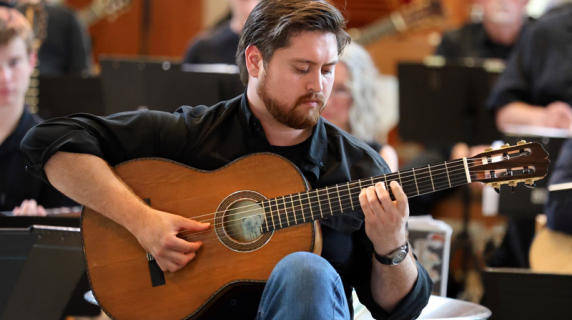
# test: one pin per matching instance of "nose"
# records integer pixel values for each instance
(5, 74)
(315, 82)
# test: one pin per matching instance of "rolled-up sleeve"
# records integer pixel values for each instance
(117, 138)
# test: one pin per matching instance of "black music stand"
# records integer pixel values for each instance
(62, 96)
(526, 295)
(41, 266)
(443, 104)
(163, 85)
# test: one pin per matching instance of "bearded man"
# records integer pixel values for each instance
(287, 55)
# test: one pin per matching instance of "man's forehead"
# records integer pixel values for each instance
(312, 47)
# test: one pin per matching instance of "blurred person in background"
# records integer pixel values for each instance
(19, 191)
(536, 90)
(356, 101)
(65, 48)
(219, 45)
(503, 22)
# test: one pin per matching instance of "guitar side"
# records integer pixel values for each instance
(117, 265)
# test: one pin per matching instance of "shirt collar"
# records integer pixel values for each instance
(315, 158)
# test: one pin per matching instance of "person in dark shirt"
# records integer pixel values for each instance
(535, 90)
(65, 47)
(19, 193)
(287, 56)
(494, 37)
(219, 45)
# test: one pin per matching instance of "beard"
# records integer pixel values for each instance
(296, 116)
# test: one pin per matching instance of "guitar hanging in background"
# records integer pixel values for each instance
(415, 16)
(101, 9)
(261, 209)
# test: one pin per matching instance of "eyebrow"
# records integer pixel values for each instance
(314, 63)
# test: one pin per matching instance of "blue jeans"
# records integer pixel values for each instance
(303, 286)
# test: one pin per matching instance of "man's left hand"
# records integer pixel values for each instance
(385, 219)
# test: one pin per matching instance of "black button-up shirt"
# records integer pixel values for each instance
(15, 184)
(210, 137)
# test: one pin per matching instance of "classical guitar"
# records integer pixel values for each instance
(417, 15)
(260, 209)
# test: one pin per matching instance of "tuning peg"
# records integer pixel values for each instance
(521, 142)
(497, 190)
(488, 149)
(512, 189)
(531, 186)
(505, 146)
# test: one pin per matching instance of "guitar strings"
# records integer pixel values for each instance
(425, 189)
(313, 205)
(408, 188)
(357, 186)
(404, 184)
(210, 237)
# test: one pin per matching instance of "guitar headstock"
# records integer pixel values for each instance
(525, 162)
(420, 14)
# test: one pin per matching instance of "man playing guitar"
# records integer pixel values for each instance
(287, 56)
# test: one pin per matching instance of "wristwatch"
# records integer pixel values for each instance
(395, 257)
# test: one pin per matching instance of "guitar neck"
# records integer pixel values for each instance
(294, 209)
(379, 29)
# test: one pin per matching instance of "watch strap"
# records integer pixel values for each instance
(389, 259)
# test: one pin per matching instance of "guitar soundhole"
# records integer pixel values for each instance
(239, 222)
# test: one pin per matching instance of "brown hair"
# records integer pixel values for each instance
(272, 23)
(13, 24)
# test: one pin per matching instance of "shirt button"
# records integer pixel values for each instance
(321, 164)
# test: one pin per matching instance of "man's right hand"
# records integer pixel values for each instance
(558, 115)
(158, 235)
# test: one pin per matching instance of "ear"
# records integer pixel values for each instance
(254, 62)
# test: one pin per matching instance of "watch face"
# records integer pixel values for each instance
(399, 256)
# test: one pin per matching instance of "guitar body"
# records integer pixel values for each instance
(117, 265)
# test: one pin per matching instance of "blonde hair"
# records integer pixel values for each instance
(13, 24)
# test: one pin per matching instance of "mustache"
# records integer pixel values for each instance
(318, 97)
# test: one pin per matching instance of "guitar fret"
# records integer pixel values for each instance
(310, 205)
(265, 220)
(350, 195)
(319, 203)
(339, 198)
(447, 170)
(278, 209)
(285, 210)
(272, 214)
(293, 210)
(372, 182)
(302, 206)
(415, 179)
(399, 176)
(431, 176)
(329, 202)
(386, 184)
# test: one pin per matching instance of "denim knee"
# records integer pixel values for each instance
(305, 269)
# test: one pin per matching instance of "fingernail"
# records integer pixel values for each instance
(383, 185)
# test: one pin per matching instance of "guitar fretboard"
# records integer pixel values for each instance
(294, 209)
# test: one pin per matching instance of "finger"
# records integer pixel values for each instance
(365, 207)
(167, 265)
(17, 211)
(42, 212)
(400, 198)
(24, 207)
(32, 207)
(384, 197)
(180, 259)
(191, 225)
(373, 200)
(182, 245)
